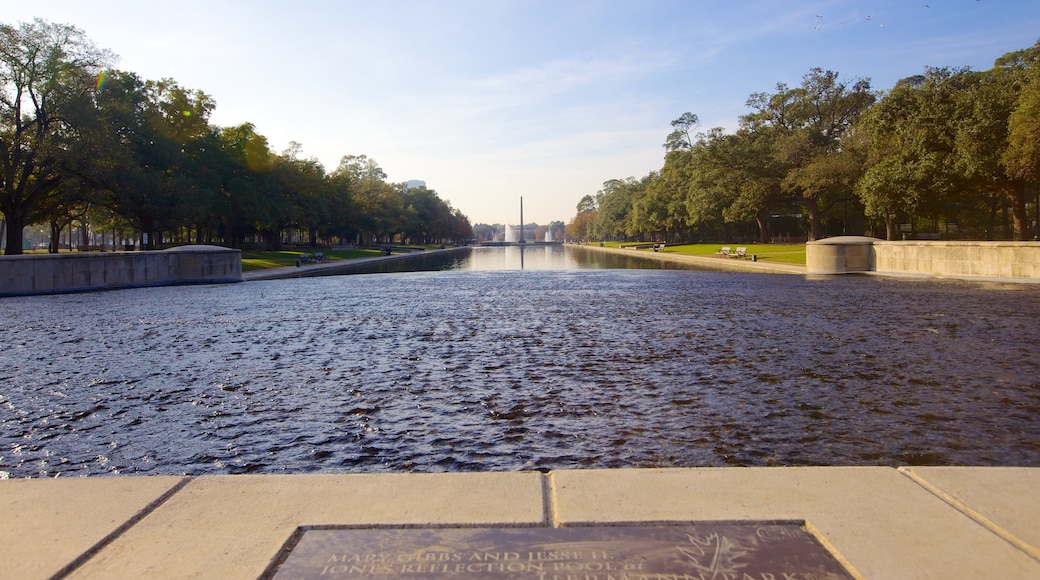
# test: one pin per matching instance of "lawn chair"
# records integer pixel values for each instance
(740, 253)
(723, 252)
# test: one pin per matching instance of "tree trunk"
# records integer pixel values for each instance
(891, 227)
(814, 218)
(230, 235)
(15, 225)
(763, 229)
(1019, 217)
(52, 248)
(273, 240)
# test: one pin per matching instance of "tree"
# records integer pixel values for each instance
(651, 209)
(146, 150)
(681, 138)
(1022, 156)
(47, 73)
(587, 204)
(984, 105)
(614, 204)
(806, 125)
(910, 164)
(578, 229)
(246, 185)
(301, 196)
(377, 207)
(733, 179)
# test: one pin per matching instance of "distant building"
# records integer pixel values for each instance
(414, 184)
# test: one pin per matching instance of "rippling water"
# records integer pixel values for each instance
(507, 370)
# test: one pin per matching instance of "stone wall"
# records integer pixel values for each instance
(961, 259)
(841, 255)
(75, 272)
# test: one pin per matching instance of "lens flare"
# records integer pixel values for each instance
(102, 80)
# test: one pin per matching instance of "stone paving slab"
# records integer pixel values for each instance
(880, 522)
(233, 526)
(930, 522)
(1005, 499)
(49, 523)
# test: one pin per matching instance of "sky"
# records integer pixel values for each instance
(490, 100)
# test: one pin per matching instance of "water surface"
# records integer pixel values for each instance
(505, 369)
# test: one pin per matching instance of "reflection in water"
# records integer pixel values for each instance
(530, 257)
(508, 370)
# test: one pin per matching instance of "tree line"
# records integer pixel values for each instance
(951, 152)
(83, 143)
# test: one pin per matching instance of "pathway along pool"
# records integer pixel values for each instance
(512, 370)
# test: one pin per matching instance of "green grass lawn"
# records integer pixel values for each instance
(264, 260)
(783, 253)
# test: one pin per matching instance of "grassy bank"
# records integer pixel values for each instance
(780, 253)
(265, 260)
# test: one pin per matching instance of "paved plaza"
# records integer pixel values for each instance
(879, 522)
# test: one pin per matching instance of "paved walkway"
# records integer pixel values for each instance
(921, 522)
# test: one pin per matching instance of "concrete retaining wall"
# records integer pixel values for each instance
(840, 255)
(58, 273)
(962, 259)
(848, 254)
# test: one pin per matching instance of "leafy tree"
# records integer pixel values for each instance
(47, 74)
(652, 208)
(940, 144)
(587, 204)
(557, 229)
(1022, 156)
(910, 151)
(301, 194)
(380, 211)
(579, 227)
(806, 125)
(681, 138)
(484, 232)
(614, 203)
(246, 183)
(144, 150)
(1017, 78)
(984, 104)
(734, 179)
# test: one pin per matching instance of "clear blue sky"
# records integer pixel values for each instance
(488, 100)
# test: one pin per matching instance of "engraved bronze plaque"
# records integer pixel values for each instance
(695, 551)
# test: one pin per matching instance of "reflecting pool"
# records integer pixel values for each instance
(484, 368)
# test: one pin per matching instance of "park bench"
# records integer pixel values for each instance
(723, 252)
(740, 253)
